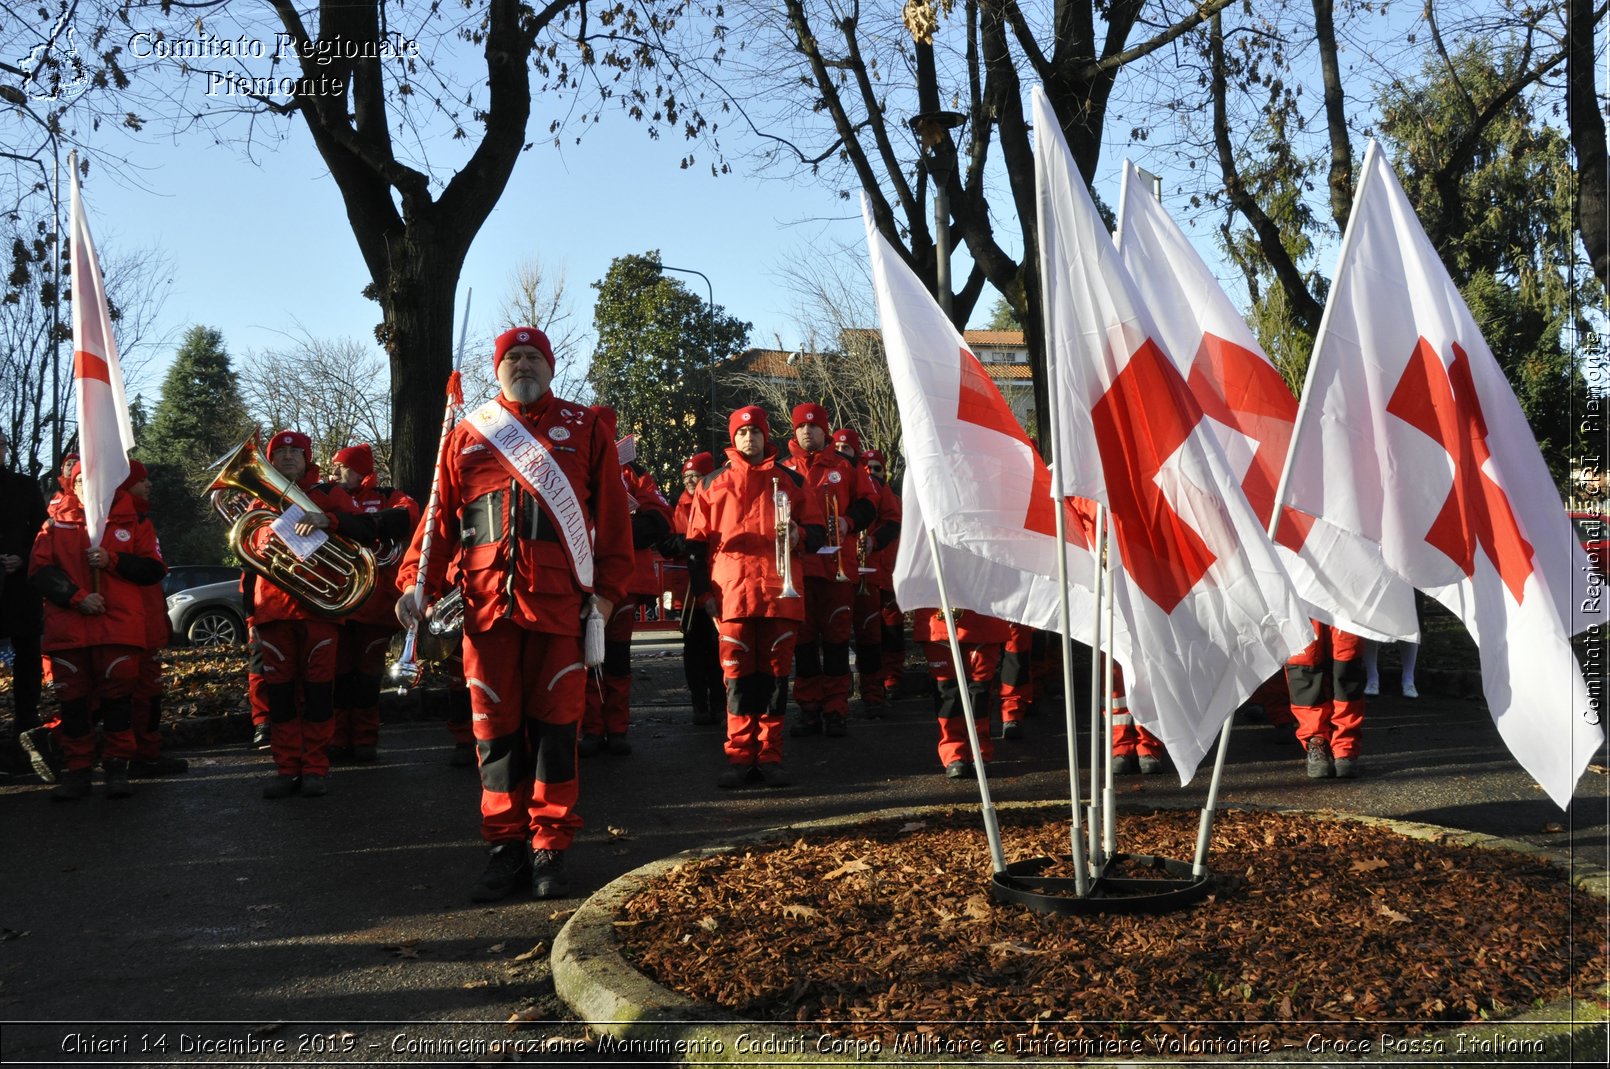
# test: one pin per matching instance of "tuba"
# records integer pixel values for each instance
(332, 580)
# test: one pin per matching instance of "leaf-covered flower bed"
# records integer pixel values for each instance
(864, 933)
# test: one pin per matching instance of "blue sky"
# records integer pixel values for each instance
(260, 249)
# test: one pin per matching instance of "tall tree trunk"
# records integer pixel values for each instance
(1587, 138)
(1341, 151)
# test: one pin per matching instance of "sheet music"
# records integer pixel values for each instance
(285, 528)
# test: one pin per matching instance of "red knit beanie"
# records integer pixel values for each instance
(360, 458)
(813, 414)
(699, 464)
(521, 336)
(846, 435)
(748, 416)
(293, 440)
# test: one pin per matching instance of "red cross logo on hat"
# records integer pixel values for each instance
(523, 336)
(748, 416)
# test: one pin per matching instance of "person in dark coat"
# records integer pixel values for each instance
(22, 513)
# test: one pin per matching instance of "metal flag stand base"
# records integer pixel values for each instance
(1022, 884)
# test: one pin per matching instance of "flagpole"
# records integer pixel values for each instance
(1097, 641)
(1109, 795)
(992, 830)
(1065, 625)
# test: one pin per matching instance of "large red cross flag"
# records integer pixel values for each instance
(1251, 410)
(1208, 607)
(104, 433)
(1410, 435)
(970, 467)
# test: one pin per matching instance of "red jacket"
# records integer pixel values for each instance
(975, 628)
(512, 563)
(60, 571)
(395, 515)
(883, 538)
(651, 522)
(833, 477)
(269, 601)
(732, 537)
(153, 602)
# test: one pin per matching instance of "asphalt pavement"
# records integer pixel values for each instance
(198, 922)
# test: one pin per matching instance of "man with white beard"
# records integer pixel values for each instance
(532, 507)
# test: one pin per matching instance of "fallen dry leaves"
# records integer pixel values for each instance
(1306, 920)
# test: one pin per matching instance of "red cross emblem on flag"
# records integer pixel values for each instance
(1441, 403)
(982, 405)
(1140, 422)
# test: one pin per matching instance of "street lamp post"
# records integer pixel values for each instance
(714, 443)
(933, 134)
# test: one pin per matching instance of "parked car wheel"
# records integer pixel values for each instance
(215, 627)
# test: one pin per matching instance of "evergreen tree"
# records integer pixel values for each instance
(657, 345)
(198, 419)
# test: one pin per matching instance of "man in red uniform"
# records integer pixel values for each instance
(609, 693)
(147, 720)
(875, 578)
(366, 633)
(94, 631)
(299, 645)
(733, 568)
(1327, 697)
(849, 504)
(701, 658)
(532, 507)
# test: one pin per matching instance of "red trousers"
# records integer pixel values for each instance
(525, 701)
(254, 677)
(609, 693)
(299, 660)
(822, 655)
(359, 666)
(147, 713)
(1327, 690)
(867, 610)
(1017, 673)
(757, 654)
(980, 660)
(102, 676)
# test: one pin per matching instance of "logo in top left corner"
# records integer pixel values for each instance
(52, 70)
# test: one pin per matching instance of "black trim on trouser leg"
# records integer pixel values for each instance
(777, 701)
(1016, 670)
(346, 690)
(75, 720)
(1307, 685)
(949, 699)
(836, 658)
(318, 702)
(153, 714)
(365, 690)
(869, 659)
(554, 750)
(617, 658)
(807, 660)
(505, 761)
(735, 696)
(281, 699)
(1349, 678)
(753, 690)
(117, 714)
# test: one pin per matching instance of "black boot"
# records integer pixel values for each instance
(548, 874)
(506, 871)
(117, 780)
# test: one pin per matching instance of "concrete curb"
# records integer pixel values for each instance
(635, 1016)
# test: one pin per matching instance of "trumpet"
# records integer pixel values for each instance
(441, 635)
(784, 510)
(833, 537)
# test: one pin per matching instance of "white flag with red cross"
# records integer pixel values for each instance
(105, 434)
(971, 469)
(1251, 410)
(1410, 435)
(1209, 608)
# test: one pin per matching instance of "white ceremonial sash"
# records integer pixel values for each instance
(528, 460)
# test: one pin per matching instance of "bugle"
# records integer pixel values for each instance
(784, 510)
(834, 539)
